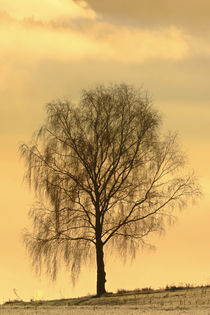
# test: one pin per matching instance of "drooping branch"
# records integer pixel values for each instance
(102, 171)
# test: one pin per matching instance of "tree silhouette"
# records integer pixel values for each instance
(105, 177)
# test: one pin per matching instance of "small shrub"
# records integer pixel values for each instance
(149, 289)
(122, 291)
(174, 288)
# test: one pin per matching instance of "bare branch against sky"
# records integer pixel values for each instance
(109, 177)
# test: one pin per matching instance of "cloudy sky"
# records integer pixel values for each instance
(55, 48)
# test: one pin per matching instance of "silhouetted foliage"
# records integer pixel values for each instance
(104, 176)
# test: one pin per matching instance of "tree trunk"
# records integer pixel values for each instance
(101, 275)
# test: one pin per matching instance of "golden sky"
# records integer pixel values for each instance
(54, 48)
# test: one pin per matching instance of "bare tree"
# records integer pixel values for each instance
(107, 176)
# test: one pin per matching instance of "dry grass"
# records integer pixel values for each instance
(172, 300)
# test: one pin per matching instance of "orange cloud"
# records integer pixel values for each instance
(44, 9)
(64, 30)
(31, 39)
(153, 12)
(139, 45)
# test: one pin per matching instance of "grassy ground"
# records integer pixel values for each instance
(172, 300)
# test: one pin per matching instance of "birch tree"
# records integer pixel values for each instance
(105, 177)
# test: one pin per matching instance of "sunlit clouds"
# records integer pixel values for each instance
(32, 43)
(45, 10)
(138, 45)
(30, 39)
(65, 30)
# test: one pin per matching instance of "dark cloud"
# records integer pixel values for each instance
(153, 12)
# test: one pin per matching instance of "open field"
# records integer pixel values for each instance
(154, 302)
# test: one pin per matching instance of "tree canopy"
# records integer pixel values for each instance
(105, 177)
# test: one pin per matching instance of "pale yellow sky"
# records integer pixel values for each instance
(51, 49)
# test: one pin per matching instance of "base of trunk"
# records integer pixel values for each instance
(101, 279)
(101, 274)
